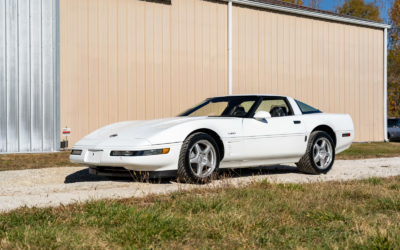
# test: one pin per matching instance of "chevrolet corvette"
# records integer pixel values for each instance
(237, 131)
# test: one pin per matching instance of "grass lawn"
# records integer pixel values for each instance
(35, 161)
(370, 150)
(361, 214)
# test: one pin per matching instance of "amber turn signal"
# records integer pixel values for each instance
(165, 151)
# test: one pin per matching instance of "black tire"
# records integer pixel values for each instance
(185, 171)
(306, 164)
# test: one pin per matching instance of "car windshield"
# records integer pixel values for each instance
(392, 123)
(229, 106)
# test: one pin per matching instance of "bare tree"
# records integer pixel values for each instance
(315, 4)
(337, 4)
(384, 6)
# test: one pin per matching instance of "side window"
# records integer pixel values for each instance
(242, 109)
(276, 107)
(247, 105)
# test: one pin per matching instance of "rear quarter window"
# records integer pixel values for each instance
(307, 109)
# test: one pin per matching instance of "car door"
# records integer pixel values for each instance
(281, 136)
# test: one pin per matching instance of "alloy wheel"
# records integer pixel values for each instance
(322, 153)
(203, 159)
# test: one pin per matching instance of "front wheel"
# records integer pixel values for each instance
(320, 154)
(199, 158)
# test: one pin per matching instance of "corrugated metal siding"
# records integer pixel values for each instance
(3, 83)
(27, 75)
(12, 75)
(335, 67)
(133, 60)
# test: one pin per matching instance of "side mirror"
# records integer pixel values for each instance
(262, 116)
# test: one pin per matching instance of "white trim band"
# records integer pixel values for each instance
(230, 48)
(309, 13)
(385, 85)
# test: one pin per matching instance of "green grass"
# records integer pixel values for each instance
(373, 180)
(370, 150)
(362, 214)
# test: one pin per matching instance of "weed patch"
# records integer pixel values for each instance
(356, 194)
(291, 186)
(394, 187)
(373, 181)
(329, 216)
(387, 203)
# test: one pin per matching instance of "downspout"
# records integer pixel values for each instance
(230, 48)
(57, 131)
(385, 85)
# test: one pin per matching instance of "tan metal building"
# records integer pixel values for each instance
(131, 59)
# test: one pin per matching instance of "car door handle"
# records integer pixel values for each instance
(297, 122)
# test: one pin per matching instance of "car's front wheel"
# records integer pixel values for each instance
(320, 154)
(199, 158)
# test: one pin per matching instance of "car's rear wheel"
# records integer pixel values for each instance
(320, 154)
(199, 158)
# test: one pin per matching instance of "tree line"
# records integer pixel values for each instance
(387, 11)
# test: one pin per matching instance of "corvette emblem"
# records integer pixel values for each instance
(112, 136)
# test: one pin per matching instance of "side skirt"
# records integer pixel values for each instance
(256, 163)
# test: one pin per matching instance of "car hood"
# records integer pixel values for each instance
(130, 130)
(140, 134)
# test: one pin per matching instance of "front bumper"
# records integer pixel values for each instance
(100, 157)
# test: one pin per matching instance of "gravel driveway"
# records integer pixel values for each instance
(55, 186)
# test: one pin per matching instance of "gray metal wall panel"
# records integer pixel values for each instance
(29, 75)
(48, 75)
(24, 77)
(3, 89)
(36, 75)
(12, 75)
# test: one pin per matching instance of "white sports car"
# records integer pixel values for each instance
(236, 131)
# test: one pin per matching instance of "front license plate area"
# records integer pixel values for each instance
(94, 156)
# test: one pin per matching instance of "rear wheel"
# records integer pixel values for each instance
(320, 154)
(199, 158)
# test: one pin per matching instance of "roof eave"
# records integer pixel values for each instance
(310, 13)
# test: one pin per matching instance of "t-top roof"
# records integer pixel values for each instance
(304, 10)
